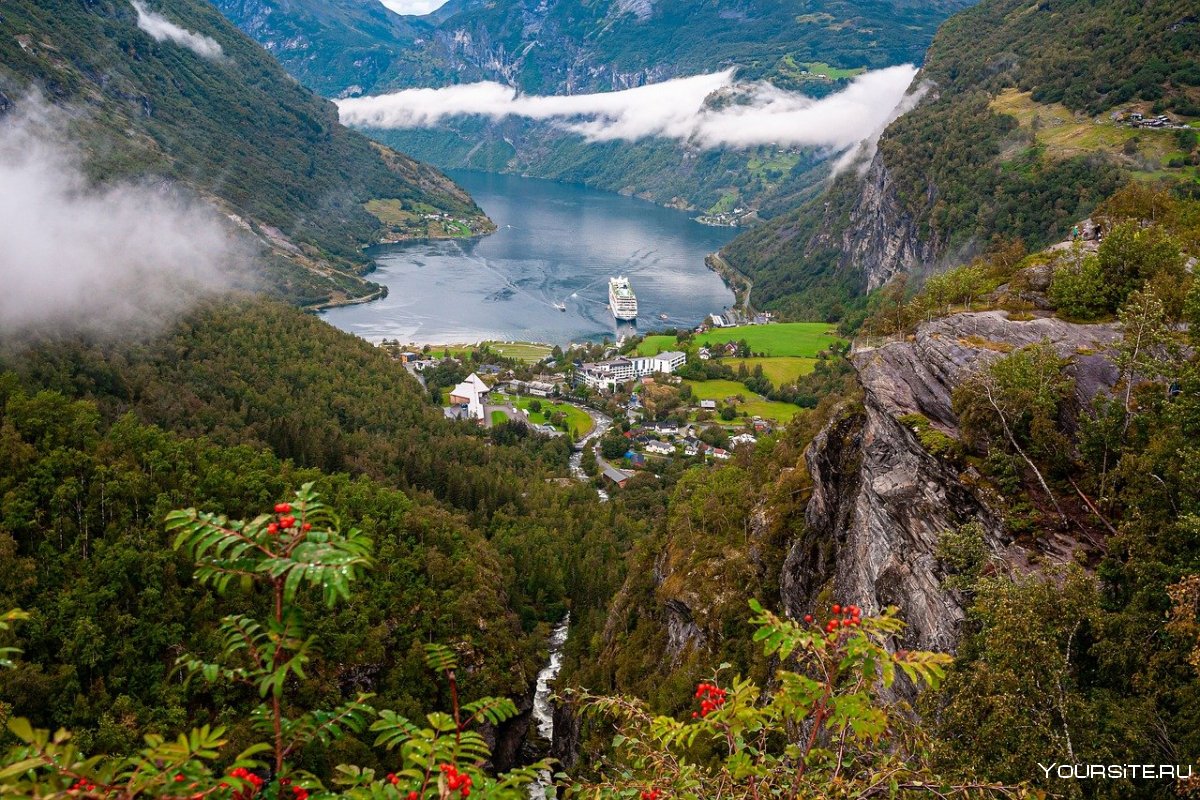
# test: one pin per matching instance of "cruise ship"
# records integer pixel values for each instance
(621, 299)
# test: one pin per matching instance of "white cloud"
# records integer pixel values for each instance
(707, 110)
(162, 29)
(860, 157)
(413, 7)
(103, 260)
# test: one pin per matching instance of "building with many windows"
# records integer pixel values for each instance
(610, 374)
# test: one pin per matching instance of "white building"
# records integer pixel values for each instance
(742, 438)
(469, 398)
(610, 374)
(662, 448)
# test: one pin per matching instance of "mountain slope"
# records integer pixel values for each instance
(561, 46)
(1011, 142)
(573, 47)
(233, 126)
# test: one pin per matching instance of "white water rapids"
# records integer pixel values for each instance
(543, 709)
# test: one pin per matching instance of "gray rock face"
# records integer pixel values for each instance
(881, 240)
(682, 631)
(880, 500)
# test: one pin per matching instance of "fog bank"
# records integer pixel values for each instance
(75, 257)
(709, 111)
(162, 29)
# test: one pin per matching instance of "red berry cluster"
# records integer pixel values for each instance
(249, 777)
(286, 520)
(711, 698)
(652, 794)
(843, 617)
(83, 785)
(457, 781)
(394, 780)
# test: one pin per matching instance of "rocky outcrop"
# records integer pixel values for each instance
(682, 631)
(881, 238)
(880, 500)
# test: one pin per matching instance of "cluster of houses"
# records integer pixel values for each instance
(726, 350)
(608, 375)
(1138, 120)
(670, 439)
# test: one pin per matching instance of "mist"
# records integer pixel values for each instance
(74, 257)
(708, 111)
(162, 29)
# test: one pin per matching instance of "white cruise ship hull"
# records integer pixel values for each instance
(621, 300)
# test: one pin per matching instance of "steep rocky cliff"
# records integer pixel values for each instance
(880, 499)
(882, 237)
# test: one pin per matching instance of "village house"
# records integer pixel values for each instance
(708, 405)
(720, 453)
(660, 448)
(617, 476)
(742, 438)
(666, 429)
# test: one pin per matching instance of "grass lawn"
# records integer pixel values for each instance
(802, 339)
(653, 345)
(778, 370)
(499, 417)
(755, 405)
(578, 420)
(528, 352)
(522, 351)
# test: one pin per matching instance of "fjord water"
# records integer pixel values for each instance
(555, 243)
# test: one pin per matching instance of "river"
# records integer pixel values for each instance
(555, 243)
(543, 696)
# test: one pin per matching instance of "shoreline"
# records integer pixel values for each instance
(738, 283)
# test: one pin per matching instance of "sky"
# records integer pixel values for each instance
(749, 114)
(417, 7)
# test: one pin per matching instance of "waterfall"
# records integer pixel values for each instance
(543, 710)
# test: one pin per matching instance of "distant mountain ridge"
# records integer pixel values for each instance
(353, 47)
(236, 129)
(572, 46)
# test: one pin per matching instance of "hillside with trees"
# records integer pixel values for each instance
(979, 157)
(229, 125)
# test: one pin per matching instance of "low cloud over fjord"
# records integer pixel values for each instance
(709, 111)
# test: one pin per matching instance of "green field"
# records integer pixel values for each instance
(499, 417)
(778, 370)
(1067, 135)
(755, 405)
(578, 421)
(528, 352)
(798, 339)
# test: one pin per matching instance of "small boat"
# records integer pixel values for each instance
(663, 317)
(561, 306)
